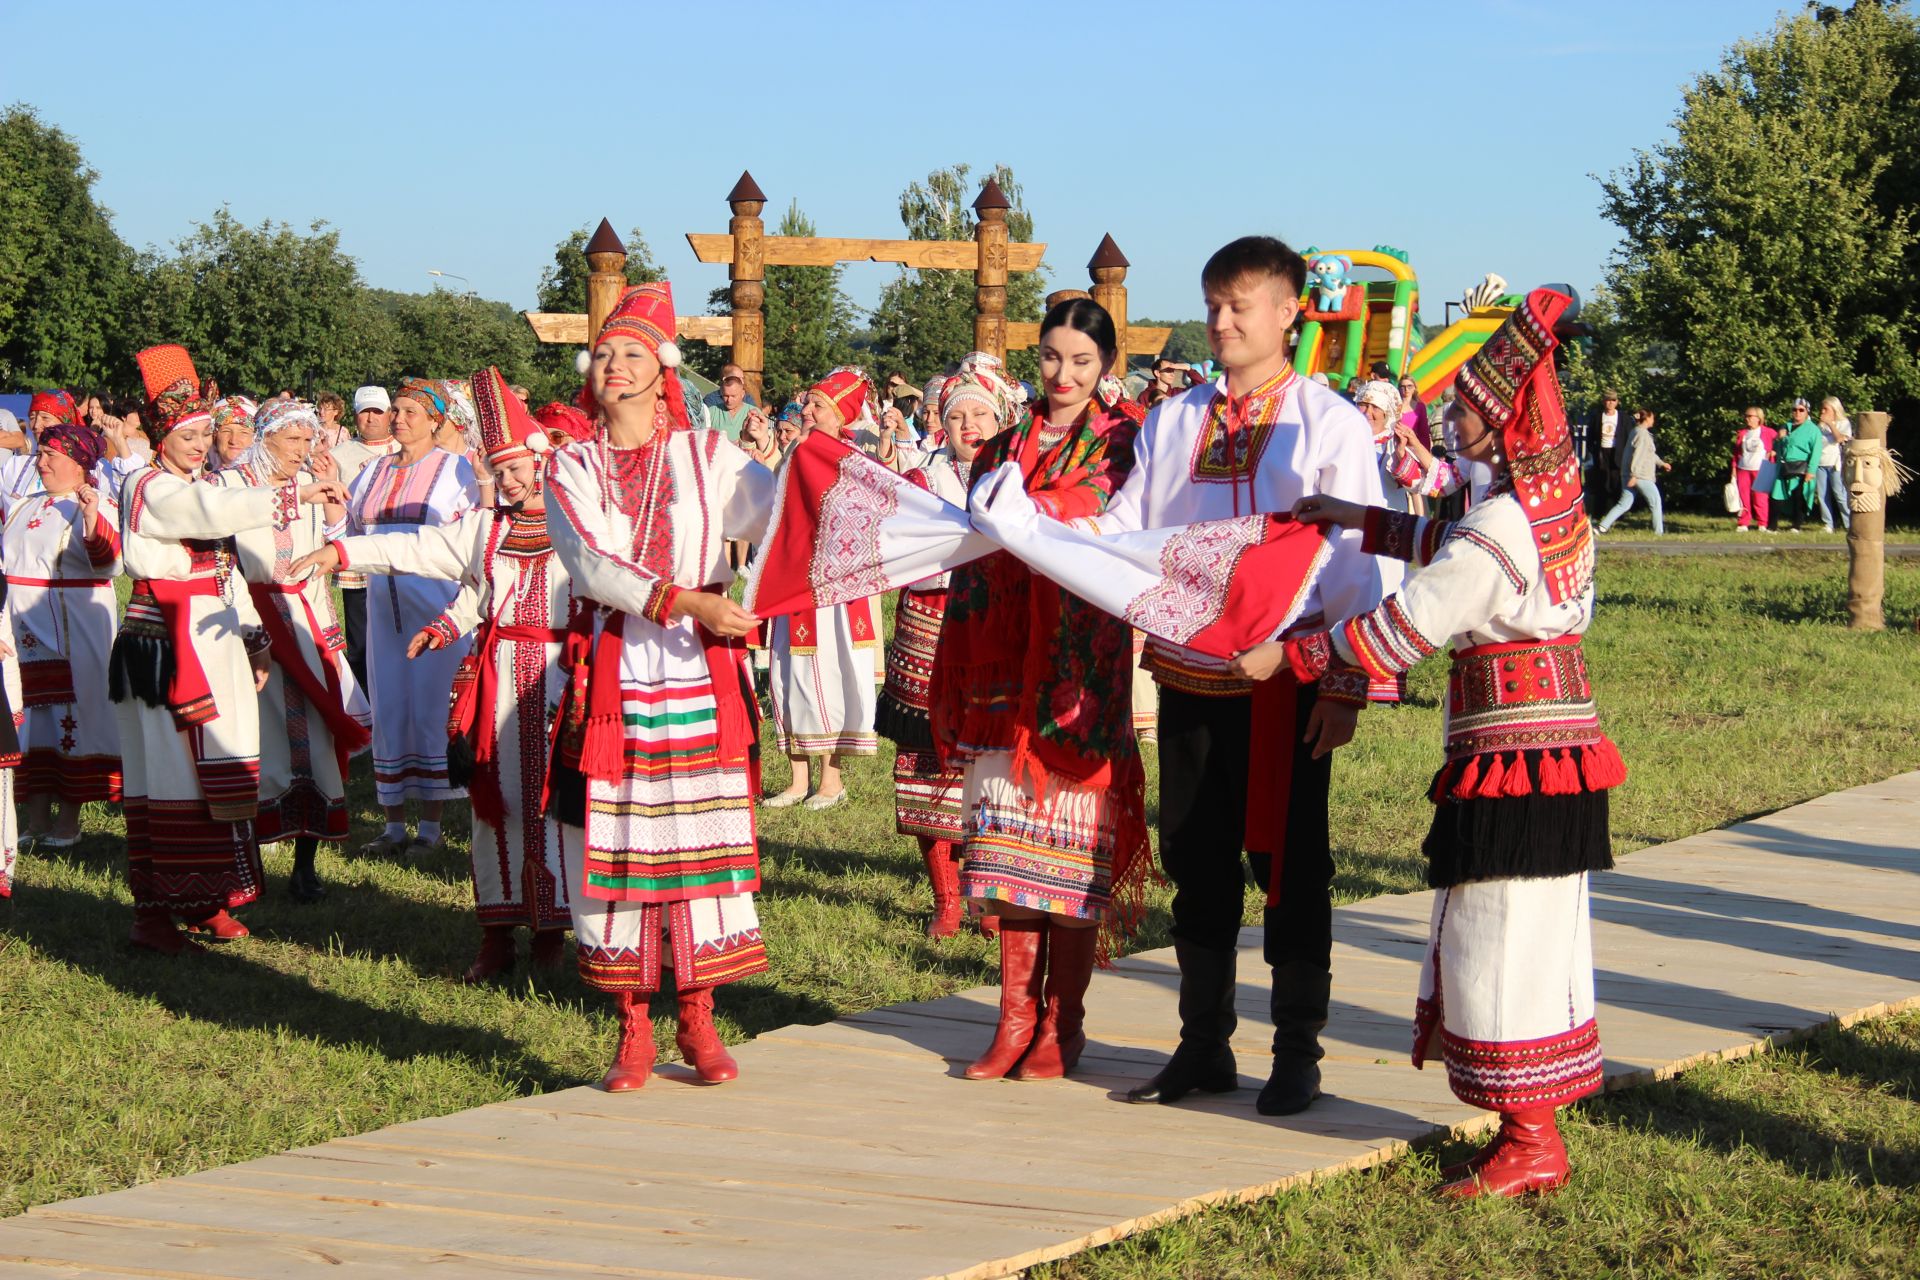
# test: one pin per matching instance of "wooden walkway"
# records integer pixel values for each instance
(854, 1150)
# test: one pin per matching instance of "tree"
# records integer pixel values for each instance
(563, 288)
(1771, 246)
(810, 321)
(261, 307)
(444, 334)
(65, 275)
(925, 318)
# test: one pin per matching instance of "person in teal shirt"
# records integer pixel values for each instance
(1797, 456)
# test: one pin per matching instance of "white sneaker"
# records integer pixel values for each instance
(1743, 528)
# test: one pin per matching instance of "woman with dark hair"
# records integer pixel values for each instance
(1032, 691)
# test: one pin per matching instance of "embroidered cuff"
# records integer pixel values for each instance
(100, 543)
(659, 610)
(1344, 684)
(257, 641)
(340, 549)
(286, 505)
(442, 628)
(1389, 533)
(1309, 656)
(1045, 505)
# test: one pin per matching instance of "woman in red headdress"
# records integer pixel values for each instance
(186, 671)
(62, 555)
(655, 769)
(1032, 690)
(515, 599)
(1520, 817)
(821, 662)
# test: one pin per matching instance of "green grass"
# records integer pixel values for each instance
(1730, 684)
(1802, 1162)
(1686, 526)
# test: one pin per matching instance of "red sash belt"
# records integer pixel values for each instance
(475, 708)
(591, 732)
(330, 699)
(1273, 740)
(15, 580)
(189, 696)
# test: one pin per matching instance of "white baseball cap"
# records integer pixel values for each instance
(371, 398)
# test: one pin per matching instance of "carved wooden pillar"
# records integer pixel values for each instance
(1059, 296)
(607, 276)
(990, 275)
(1108, 267)
(1867, 534)
(748, 272)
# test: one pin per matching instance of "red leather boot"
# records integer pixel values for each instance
(944, 874)
(1528, 1156)
(549, 948)
(699, 1042)
(633, 1059)
(1023, 962)
(495, 957)
(223, 927)
(154, 929)
(1059, 1040)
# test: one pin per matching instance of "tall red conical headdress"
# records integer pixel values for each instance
(1511, 382)
(507, 430)
(173, 386)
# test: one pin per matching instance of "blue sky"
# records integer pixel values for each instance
(469, 138)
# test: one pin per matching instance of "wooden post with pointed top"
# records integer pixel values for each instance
(748, 273)
(1108, 267)
(607, 275)
(990, 274)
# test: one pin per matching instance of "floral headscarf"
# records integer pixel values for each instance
(430, 394)
(982, 377)
(231, 409)
(82, 444)
(276, 417)
(57, 402)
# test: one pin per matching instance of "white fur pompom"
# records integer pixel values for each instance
(538, 442)
(583, 362)
(669, 354)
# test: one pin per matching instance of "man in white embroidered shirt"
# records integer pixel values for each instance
(1234, 731)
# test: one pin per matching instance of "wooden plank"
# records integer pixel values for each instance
(853, 1148)
(824, 251)
(559, 326)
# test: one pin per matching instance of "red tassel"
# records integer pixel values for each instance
(1558, 775)
(1602, 766)
(1437, 792)
(1463, 785)
(1490, 781)
(603, 747)
(1518, 783)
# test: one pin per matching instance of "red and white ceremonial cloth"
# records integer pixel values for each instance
(1218, 587)
(845, 527)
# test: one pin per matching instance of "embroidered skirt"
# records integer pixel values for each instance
(624, 946)
(1057, 857)
(1506, 993)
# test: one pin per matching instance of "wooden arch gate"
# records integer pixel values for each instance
(748, 251)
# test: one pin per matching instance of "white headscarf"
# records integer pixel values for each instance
(272, 418)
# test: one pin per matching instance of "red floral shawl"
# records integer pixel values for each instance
(1028, 668)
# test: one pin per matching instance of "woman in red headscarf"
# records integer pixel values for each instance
(1520, 807)
(62, 555)
(821, 662)
(1032, 690)
(655, 767)
(186, 671)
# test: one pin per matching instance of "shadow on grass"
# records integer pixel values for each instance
(1781, 1126)
(228, 987)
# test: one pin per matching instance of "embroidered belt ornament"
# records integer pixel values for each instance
(1509, 702)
